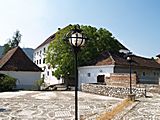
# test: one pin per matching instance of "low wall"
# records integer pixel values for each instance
(121, 79)
(112, 91)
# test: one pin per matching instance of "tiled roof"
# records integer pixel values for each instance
(158, 55)
(17, 60)
(52, 37)
(116, 58)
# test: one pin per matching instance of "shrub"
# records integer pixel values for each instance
(39, 83)
(7, 83)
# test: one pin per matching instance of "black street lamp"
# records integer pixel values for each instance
(128, 55)
(76, 39)
(129, 59)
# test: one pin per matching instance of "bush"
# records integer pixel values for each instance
(39, 83)
(7, 83)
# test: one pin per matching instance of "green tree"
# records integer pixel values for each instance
(16, 39)
(6, 48)
(12, 43)
(60, 54)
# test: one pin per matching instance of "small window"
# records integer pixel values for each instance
(37, 53)
(39, 61)
(144, 73)
(40, 52)
(44, 49)
(49, 67)
(100, 78)
(48, 73)
(43, 76)
(44, 60)
(135, 72)
(89, 74)
(154, 73)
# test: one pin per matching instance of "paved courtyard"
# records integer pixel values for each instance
(146, 109)
(53, 105)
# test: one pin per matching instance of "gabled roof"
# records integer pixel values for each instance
(116, 58)
(17, 60)
(51, 38)
(158, 56)
(48, 40)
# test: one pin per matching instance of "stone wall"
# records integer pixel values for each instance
(121, 79)
(113, 91)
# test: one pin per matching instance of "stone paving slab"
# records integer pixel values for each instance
(146, 109)
(52, 105)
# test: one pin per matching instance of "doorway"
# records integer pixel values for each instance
(100, 78)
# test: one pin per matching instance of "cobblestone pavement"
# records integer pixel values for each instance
(147, 109)
(57, 105)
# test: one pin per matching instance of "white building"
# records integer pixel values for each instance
(146, 69)
(15, 63)
(39, 58)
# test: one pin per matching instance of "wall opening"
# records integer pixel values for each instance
(100, 78)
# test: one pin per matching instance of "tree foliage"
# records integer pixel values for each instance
(12, 43)
(60, 54)
(6, 82)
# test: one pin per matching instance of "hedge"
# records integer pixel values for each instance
(7, 83)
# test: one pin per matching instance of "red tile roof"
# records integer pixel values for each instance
(116, 58)
(158, 55)
(17, 60)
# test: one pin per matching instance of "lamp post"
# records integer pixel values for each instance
(76, 39)
(128, 55)
(129, 59)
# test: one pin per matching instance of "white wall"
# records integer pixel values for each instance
(94, 71)
(47, 70)
(25, 80)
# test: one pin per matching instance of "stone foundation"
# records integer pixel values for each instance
(113, 91)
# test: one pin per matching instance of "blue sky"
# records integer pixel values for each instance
(135, 23)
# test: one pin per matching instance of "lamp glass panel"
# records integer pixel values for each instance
(76, 39)
(128, 58)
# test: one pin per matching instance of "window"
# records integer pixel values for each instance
(89, 74)
(100, 78)
(144, 73)
(48, 73)
(40, 52)
(154, 73)
(135, 72)
(43, 76)
(49, 67)
(39, 61)
(44, 49)
(44, 60)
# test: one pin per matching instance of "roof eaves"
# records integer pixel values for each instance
(7, 57)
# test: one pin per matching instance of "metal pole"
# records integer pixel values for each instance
(130, 77)
(76, 86)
